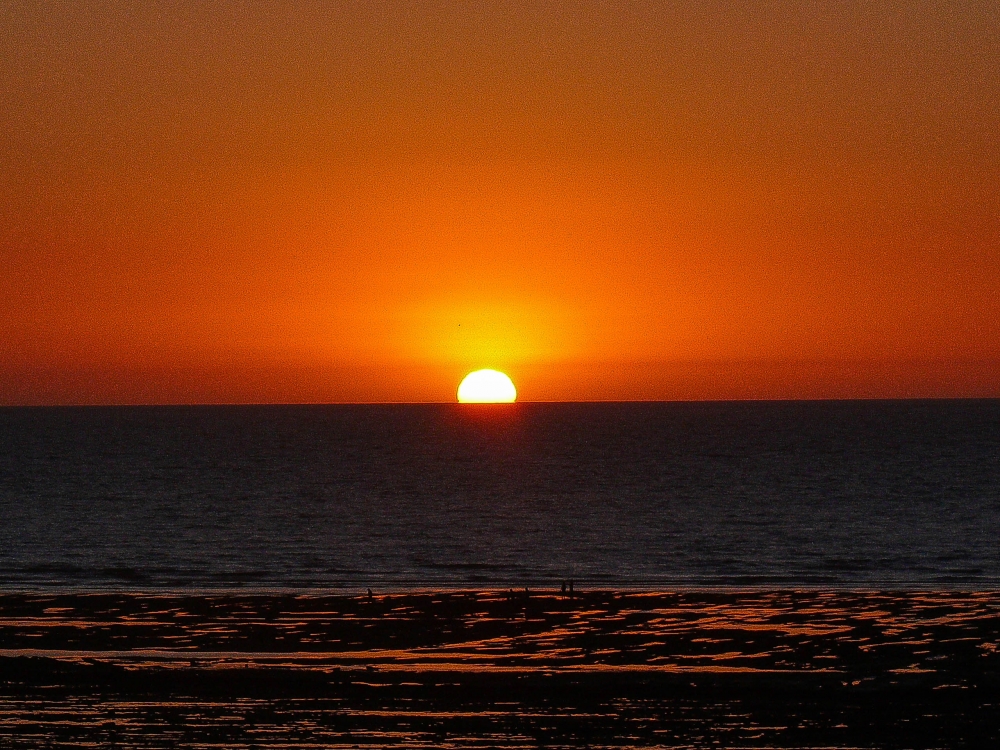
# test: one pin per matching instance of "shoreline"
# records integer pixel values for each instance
(541, 588)
(478, 668)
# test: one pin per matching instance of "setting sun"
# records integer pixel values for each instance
(486, 387)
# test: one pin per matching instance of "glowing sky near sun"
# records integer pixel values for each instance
(341, 202)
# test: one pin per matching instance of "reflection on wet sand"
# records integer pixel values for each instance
(463, 669)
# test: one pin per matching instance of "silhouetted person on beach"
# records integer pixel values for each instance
(369, 594)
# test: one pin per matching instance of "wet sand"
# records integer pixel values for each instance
(501, 669)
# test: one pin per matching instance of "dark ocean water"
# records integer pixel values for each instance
(828, 494)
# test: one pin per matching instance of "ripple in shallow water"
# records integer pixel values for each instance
(754, 669)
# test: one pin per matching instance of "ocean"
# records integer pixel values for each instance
(831, 494)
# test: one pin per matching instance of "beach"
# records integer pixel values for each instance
(501, 668)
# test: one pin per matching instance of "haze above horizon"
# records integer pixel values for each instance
(302, 203)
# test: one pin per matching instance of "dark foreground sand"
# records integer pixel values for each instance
(488, 669)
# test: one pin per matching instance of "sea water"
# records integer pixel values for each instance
(648, 495)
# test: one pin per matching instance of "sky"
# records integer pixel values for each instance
(361, 201)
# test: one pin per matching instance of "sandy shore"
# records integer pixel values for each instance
(497, 668)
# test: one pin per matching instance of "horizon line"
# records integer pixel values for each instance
(172, 404)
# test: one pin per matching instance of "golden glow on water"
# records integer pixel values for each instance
(224, 653)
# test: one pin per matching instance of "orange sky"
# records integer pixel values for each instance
(209, 202)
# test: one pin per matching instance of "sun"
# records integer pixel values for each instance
(486, 387)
